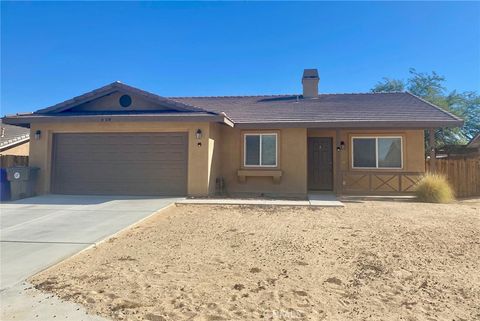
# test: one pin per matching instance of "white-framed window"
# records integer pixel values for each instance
(260, 150)
(377, 152)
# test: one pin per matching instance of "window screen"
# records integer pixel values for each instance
(261, 150)
(377, 152)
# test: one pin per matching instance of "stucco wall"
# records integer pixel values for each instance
(293, 159)
(355, 180)
(381, 181)
(214, 155)
(413, 148)
(221, 155)
(19, 150)
(292, 162)
(111, 103)
(198, 156)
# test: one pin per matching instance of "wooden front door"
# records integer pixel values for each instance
(320, 163)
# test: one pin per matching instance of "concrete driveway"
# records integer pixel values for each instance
(41, 231)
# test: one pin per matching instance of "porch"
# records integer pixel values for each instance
(360, 161)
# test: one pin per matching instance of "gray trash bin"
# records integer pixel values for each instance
(22, 181)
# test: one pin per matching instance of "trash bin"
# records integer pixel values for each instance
(4, 186)
(22, 181)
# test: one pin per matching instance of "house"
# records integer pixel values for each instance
(122, 140)
(474, 142)
(470, 150)
(14, 140)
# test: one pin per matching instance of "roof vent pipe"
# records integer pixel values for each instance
(310, 81)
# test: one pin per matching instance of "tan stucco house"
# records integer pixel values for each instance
(122, 140)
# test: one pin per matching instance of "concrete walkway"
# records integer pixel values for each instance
(38, 232)
(319, 200)
(324, 200)
(23, 302)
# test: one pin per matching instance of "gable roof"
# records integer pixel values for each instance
(474, 142)
(12, 135)
(64, 111)
(400, 109)
(114, 87)
(356, 110)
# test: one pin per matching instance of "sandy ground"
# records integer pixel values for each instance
(379, 260)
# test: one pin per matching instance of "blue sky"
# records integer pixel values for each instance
(54, 51)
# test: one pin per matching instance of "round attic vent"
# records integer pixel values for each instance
(125, 101)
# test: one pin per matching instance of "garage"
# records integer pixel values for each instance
(120, 163)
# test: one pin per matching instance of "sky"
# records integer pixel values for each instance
(53, 51)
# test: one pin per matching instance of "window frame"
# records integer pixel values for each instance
(260, 150)
(376, 153)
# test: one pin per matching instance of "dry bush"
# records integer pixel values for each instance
(434, 188)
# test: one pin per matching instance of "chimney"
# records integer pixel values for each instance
(310, 81)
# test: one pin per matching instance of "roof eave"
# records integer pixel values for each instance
(351, 124)
(26, 120)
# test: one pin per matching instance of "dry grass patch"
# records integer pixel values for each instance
(367, 261)
(434, 188)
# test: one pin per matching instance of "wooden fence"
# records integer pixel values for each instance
(11, 160)
(462, 173)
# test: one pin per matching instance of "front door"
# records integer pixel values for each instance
(320, 163)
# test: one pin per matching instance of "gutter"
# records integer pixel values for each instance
(27, 120)
(351, 124)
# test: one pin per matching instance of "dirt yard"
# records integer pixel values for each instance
(379, 260)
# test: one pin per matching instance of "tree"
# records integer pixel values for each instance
(387, 85)
(430, 86)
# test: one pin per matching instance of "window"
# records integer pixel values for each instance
(260, 150)
(377, 152)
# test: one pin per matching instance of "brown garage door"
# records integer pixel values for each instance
(120, 164)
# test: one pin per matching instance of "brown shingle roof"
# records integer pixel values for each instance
(380, 110)
(331, 110)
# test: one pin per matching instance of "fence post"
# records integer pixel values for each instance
(431, 145)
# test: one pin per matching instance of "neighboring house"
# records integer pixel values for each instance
(475, 142)
(14, 140)
(122, 140)
(470, 150)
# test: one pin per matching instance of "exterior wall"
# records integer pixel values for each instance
(384, 181)
(413, 148)
(214, 155)
(365, 180)
(19, 150)
(111, 103)
(198, 156)
(292, 162)
(221, 155)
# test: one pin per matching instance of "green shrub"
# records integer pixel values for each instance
(434, 188)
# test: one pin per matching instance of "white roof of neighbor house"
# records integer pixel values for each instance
(12, 135)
